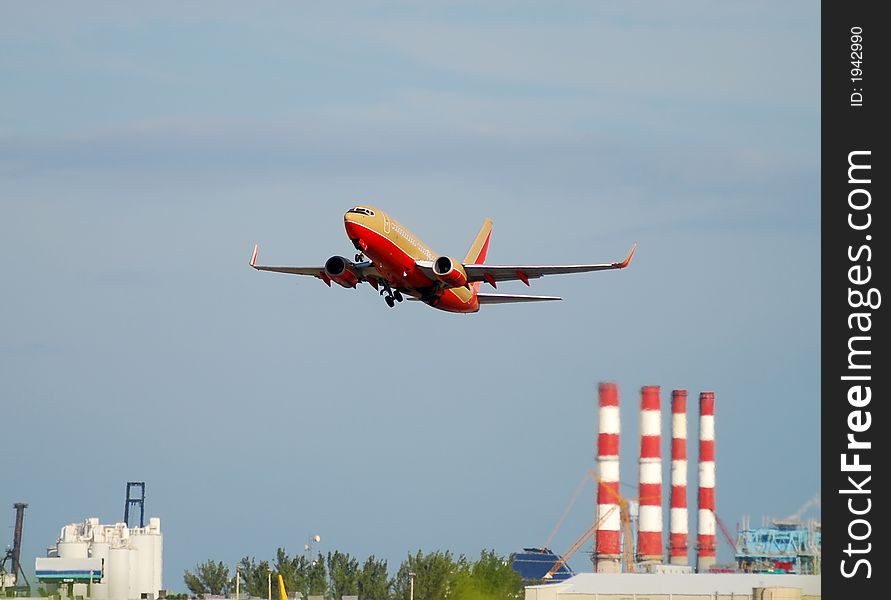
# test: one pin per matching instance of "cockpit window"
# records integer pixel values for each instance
(362, 211)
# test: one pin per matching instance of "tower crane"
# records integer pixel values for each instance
(572, 549)
(575, 496)
(625, 519)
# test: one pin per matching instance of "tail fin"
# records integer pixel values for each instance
(477, 253)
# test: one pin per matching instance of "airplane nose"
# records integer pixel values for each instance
(351, 227)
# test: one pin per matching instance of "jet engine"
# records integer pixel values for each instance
(340, 271)
(449, 271)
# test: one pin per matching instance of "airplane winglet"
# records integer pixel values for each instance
(254, 255)
(627, 260)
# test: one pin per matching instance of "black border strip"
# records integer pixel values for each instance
(852, 110)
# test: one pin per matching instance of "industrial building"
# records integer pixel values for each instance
(780, 561)
(642, 586)
(783, 546)
(534, 563)
(106, 562)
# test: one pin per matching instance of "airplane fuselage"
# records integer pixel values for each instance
(393, 250)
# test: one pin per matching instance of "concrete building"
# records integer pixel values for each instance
(722, 586)
(105, 562)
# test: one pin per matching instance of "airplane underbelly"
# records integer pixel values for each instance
(449, 301)
(399, 271)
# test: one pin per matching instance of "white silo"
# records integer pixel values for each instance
(143, 562)
(158, 553)
(159, 562)
(100, 549)
(118, 569)
(70, 543)
(134, 568)
(131, 559)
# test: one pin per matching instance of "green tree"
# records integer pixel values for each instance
(209, 578)
(343, 575)
(432, 574)
(317, 576)
(489, 578)
(254, 576)
(293, 571)
(374, 580)
(300, 574)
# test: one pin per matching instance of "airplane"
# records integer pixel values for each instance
(398, 265)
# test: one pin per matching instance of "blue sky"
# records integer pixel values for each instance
(143, 150)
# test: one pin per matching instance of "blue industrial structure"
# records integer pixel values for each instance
(783, 547)
(135, 501)
(533, 563)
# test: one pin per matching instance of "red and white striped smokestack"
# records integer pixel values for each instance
(649, 520)
(706, 530)
(607, 545)
(678, 534)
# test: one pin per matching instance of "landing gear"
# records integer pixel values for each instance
(360, 257)
(390, 295)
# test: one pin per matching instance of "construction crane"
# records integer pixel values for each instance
(627, 556)
(575, 496)
(578, 544)
(625, 519)
(726, 533)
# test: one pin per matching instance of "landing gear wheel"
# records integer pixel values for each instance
(398, 295)
(360, 257)
(389, 300)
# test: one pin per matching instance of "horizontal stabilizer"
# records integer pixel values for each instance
(509, 298)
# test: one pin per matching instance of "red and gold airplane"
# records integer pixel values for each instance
(397, 264)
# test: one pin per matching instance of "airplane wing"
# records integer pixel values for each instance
(508, 298)
(314, 271)
(495, 273)
(360, 270)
